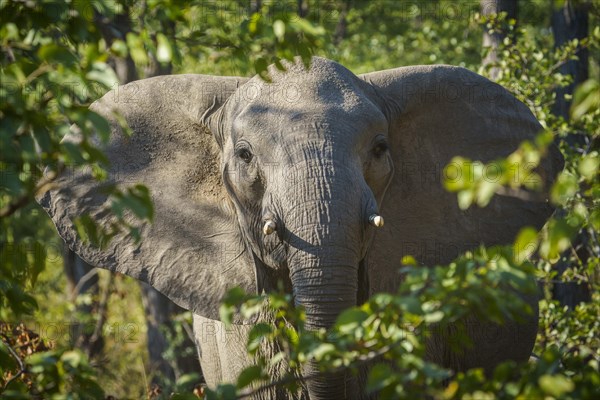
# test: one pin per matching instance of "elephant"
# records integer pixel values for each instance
(318, 181)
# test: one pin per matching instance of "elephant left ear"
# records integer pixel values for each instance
(436, 113)
(192, 251)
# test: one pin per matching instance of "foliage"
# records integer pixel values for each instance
(181, 329)
(52, 70)
(390, 34)
(534, 77)
(567, 366)
(389, 331)
(43, 371)
(267, 36)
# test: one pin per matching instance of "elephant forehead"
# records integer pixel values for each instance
(326, 123)
(262, 115)
(302, 91)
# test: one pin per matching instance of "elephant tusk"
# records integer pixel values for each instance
(376, 220)
(269, 227)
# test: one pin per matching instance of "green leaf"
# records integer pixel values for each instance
(322, 350)
(87, 229)
(136, 49)
(164, 52)
(485, 192)
(226, 314)
(434, 317)
(408, 260)
(525, 244)
(588, 166)
(410, 304)
(225, 391)
(249, 375)
(350, 319)
(277, 358)
(101, 125)
(465, 199)
(6, 359)
(595, 219)
(564, 188)
(586, 99)
(103, 74)
(72, 358)
(380, 377)
(53, 53)
(256, 336)
(254, 23)
(558, 239)
(187, 381)
(556, 385)
(260, 66)
(279, 30)
(235, 296)
(119, 48)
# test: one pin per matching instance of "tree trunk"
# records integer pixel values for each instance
(342, 25)
(113, 29)
(571, 22)
(255, 6)
(159, 317)
(82, 278)
(156, 68)
(493, 40)
(303, 8)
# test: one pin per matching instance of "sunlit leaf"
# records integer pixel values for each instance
(248, 376)
(556, 385)
(164, 52)
(525, 244)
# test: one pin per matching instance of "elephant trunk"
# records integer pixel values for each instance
(325, 220)
(323, 263)
(324, 291)
(331, 386)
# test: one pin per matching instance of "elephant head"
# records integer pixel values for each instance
(256, 183)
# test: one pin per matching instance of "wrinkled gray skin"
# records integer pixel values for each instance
(317, 152)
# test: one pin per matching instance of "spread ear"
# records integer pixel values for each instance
(192, 252)
(434, 114)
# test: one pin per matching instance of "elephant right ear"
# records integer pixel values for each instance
(192, 252)
(436, 113)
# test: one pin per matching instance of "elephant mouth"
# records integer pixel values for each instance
(281, 275)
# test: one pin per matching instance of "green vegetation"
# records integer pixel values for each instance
(55, 61)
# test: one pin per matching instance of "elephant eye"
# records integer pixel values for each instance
(245, 155)
(380, 149)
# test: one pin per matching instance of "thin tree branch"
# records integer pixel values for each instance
(22, 201)
(188, 330)
(89, 275)
(10, 55)
(22, 368)
(560, 63)
(14, 206)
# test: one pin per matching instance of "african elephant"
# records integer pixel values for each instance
(256, 183)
